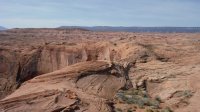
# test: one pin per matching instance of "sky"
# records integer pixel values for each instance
(55, 13)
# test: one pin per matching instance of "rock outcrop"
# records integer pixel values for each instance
(80, 86)
(9, 69)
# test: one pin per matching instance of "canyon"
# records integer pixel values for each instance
(77, 70)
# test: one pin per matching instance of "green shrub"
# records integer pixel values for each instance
(138, 97)
(153, 103)
(167, 109)
(187, 93)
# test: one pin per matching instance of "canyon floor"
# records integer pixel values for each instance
(76, 70)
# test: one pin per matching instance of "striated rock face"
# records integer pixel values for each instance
(9, 67)
(80, 86)
(56, 57)
(49, 58)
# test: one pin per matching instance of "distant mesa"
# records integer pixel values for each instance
(138, 29)
(74, 28)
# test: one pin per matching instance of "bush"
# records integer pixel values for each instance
(140, 98)
(167, 109)
(187, 93)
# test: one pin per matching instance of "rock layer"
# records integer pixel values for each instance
(67, 88)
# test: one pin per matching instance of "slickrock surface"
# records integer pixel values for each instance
(53, 70)
(82, 86)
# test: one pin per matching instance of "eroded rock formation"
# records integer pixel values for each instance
(68, 88)
(77, 70)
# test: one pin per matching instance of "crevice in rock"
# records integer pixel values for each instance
(18, 73)
(29, 69)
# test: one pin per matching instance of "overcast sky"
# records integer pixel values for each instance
(54, 13)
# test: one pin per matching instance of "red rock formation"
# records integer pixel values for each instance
(89, 83)
(94, 64)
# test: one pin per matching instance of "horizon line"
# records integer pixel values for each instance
(112, 26)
